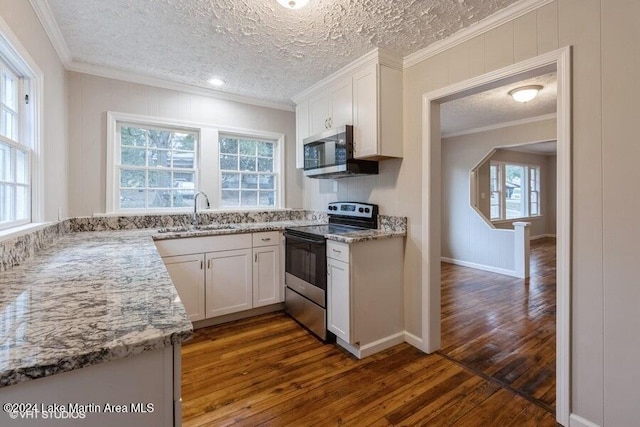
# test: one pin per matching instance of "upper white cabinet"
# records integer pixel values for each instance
(367, 95)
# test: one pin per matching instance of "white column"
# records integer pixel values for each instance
(521, 247)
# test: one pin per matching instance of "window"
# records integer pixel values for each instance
(515, 190)
(247, 174)
(15, 155)
(157, 167)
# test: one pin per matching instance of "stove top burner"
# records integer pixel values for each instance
(324, 229)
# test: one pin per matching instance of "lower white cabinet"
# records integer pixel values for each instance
(229, 286)
(365, 294)
(228, 274)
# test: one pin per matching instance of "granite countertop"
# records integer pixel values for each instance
(96, 296)
(88, 298)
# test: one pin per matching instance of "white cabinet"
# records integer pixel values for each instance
(186, 272)
(377, 112)
(328, 109)
(219, 275)
(229, 284)
(365, 294)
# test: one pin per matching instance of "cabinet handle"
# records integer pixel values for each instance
(266, 239)
(208, 264)
(201, 264)
(336, 251)
(255, 258)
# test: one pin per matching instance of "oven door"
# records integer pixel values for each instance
(306, 266)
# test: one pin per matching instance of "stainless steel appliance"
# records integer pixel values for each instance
(330, 155)
(306, 262)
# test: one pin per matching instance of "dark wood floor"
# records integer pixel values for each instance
(505, 327)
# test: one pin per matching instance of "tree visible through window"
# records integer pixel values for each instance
(157, 167)
(247, 177)
(515, 190)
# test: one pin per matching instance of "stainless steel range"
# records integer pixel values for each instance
(306, 262)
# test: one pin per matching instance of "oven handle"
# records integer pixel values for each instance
(303, 239)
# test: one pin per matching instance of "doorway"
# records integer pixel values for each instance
(558, 61)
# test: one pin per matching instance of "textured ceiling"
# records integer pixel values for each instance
(259, 48)
(495, 106)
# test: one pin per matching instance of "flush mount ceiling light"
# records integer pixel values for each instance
(216, 82)
(293, 4)
(525, 93)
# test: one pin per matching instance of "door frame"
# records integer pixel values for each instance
(560, 60)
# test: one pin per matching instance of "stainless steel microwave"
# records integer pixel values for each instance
(330, 155)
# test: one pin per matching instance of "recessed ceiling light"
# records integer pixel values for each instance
(525, 93)
(293, 4)
(216, 82)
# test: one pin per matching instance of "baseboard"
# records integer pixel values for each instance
(413, 340)
(542, 236)
(578, 421)
(372, 348)
(480, 266)
(238, 316)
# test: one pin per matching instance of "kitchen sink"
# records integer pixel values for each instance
(184, 229)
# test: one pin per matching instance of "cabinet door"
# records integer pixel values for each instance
(339, 299)
(365, 112)
(187, 275)
(266, 276)
(302, 131)
(228, 282)
(319, 112)
(341, 104)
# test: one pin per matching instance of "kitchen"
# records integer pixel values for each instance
(74, 175)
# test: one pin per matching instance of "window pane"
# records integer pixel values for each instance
(515, 175)
(182, 159)
(132, 136)
(5, 162)
(265, 165)
(249, 181)
(230, 180)
(229, 162)
(265, 149)
(22, 202)
(158, 199)
(159, 158)
(248, 148)
(159, 138)
(132, 199)
(266, 182)
(8, 127)
(22, 167)
(229, 145)
(133, 156)
(132, 178)
(183, 141)
(183, 189)
(230, 198)
(249, 198)
(267, 198)
(248, 164)
(159, 179)
(8, 200)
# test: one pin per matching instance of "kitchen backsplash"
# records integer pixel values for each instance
(16, 250)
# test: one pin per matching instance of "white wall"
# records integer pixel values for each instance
(466, 236)
(25, 25)
(91, 96)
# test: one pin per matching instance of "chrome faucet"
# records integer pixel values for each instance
(194, 219)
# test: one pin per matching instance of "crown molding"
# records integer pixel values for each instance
(48, 21)
(132, 77)
(500, 125)
(503, 16)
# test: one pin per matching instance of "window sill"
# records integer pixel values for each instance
(525, 218)
(189, 211)
(21, 230)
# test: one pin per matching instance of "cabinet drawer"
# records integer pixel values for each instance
(338, 250)
(267, 238)
(193, 245)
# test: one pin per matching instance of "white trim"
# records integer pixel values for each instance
(542, 236)
(43, 11)
(503, 16)
(431, 176)
(375, 56)
(372, 348)
(482, 267)
(413, 340)
(578, 421)
(23, 230)
(500, 126)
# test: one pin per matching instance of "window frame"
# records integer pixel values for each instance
(525, 190)
(208, 175)
(29, 81)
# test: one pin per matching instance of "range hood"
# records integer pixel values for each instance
(329, 155)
